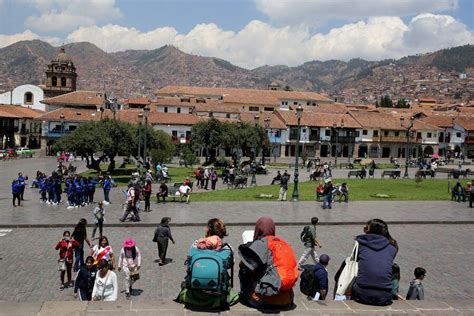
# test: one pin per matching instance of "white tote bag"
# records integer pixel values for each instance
(349, 273)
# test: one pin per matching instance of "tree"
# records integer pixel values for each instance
(207, 135)
(107, 138)
(386, 102)
(161, 146)
(402, 104)
(188, 156)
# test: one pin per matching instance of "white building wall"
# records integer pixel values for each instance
(17, 97)
(173, 109)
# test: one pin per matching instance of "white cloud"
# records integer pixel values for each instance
(6, 40)
(259, 43)
(68, 15)
(316, 12)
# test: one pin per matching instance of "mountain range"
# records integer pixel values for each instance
(144, 71)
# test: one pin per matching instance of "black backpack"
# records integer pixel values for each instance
(306, 235)
(309, 285)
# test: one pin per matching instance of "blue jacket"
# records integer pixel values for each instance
(106, 184)
(85, 279)
(373, 284)
(16, 188)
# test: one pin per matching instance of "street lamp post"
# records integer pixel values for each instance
(140, 119)
(267, 126)
(62, 123)
(254, 162)
(146, 111)
(336, 136)
(237, 158)
(408, 126)
(295, 196)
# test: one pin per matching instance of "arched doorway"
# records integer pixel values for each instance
(362, 151)
(428, 151)
(54, 81)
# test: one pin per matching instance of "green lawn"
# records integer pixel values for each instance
(359, 190)
(120, 175)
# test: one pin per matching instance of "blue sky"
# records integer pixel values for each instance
(249, 33)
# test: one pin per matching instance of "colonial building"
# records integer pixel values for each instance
(27, 95)
(18, 128)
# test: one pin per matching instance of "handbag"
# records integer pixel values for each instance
(349, 273)
(134, 275)
(61, 265)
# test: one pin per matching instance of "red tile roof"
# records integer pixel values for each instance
(77, 98)
(276, 121)
(159, 118)
(15, 111)
(243, 96)
(318, 119)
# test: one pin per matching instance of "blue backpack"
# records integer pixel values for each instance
(207, 270)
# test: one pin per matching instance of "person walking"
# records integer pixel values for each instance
(132, 199)
(214, 178)
(22, 182)
(66, 247)
(327, 194)
(206, 176)
(103, 250)
(107, 184)
(85, 279)
(283, 186)
(16, 192)
(99, 219)
(161, 237)
(105, 285)
(310, 240)
(129, 262)
(80, 235)
(147, 194)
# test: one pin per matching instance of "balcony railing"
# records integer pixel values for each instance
(24, 131)
(313, 137)
(395, 139)
(342, 139)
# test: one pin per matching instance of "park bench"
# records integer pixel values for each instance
(391, 173)
(424, 173)
(239, 182)
(455, 174)
(347, 165)
(357, 161)
(356, 173)
(172, 189)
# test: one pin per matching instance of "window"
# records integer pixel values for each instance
(376, 134)
(253, 108)
(418, 135)
(178, 110)
(165, 109)
(63, 81)
(364, 132)
(278, 133)
(385, 133)
(211, 114)
(397, 133)
(428, 135)
(72, 128)
(268, 109)
(174, 134)
(190, 110)
(295, 103)
(227, 115)
(54, 81)
(357, 134)
(308, 103)
(458, 134)
(28, 99)
(327, 133)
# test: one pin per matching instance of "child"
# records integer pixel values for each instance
(395, 281)
(416, 290)
(308, 237)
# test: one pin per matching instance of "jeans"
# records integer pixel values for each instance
(106, 195)
(100, 225)
(327, 199)
(79, 260)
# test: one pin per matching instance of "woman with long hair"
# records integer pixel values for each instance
(80, 235)
(103, 251)
(377, 250)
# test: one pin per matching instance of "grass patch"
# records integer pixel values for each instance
(359, 190)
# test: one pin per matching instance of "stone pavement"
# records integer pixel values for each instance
(160, 307)
(28, 259)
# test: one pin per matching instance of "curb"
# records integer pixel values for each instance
(131, 224)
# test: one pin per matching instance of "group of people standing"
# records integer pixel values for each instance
(95, 277)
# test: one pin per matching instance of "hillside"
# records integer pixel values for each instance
(144, 71)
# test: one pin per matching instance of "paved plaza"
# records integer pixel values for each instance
(435, 235)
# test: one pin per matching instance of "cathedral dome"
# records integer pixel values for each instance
(62, 57)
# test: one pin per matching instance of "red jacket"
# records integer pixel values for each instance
(66, 249)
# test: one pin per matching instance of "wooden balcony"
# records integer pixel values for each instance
(395, 139)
